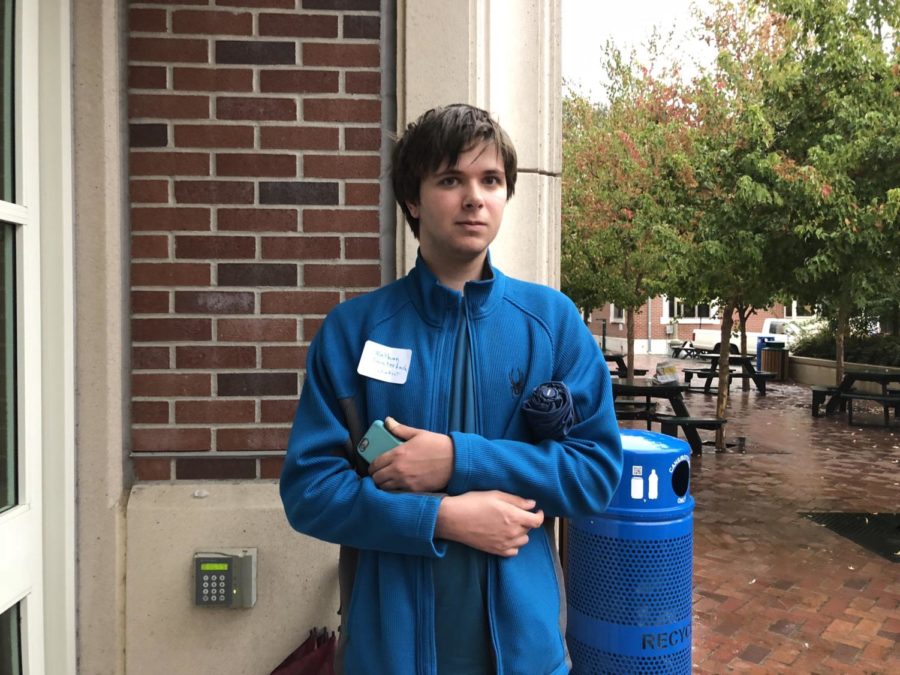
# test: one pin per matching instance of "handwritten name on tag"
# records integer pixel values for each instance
(388, 364)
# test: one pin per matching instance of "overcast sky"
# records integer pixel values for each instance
(587, 24)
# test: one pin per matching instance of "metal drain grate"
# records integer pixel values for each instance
(876, 532)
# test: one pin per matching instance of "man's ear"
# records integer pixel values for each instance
(413, 209)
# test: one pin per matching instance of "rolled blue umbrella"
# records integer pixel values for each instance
(549, 411)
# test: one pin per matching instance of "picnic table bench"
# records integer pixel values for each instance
(685, 348)
(670, 423)
(845, 394)
(888, 401)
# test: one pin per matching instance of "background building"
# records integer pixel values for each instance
(189, 187)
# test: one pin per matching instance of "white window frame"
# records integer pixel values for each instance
(666, 318)
(21, 529)
(613, 310)
(790, 311)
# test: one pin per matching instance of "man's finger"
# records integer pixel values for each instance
(515, 500)
(401, 431)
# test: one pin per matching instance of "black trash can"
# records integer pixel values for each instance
(630, 569)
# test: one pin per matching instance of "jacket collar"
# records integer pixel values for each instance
(433, 300)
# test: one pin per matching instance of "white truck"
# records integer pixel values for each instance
(781, 330)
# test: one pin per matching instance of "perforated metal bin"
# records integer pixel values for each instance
(629, 570)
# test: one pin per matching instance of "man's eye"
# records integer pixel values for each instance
(448, 181)
(493, 180)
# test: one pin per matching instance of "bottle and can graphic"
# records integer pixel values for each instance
(637, 483)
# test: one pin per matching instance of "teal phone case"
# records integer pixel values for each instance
(377, 441)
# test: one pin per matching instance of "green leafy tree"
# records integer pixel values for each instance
(625, 163)
(835, 96)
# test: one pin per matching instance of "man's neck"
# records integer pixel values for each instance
(456, 276)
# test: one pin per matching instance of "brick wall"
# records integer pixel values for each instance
(255, 130)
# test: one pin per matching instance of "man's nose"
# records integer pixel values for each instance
(474, 196)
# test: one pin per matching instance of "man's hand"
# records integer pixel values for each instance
(494, 522)
(424, 463)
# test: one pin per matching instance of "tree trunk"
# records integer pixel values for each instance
(724, 351)
(743, 315)
(843, 319)
(629, 338)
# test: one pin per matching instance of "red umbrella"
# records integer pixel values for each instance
(315, 656)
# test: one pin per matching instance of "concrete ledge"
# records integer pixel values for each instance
(165, 633)
(806, 370)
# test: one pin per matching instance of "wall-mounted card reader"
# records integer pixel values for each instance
(225, 578)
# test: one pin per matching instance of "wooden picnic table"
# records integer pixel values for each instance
(851, 376)
(648, 389)
(748, 370)
(621, 365)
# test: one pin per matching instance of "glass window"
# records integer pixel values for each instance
(7, 147)
(8, 472)
(10, 645)
(617, 313)
(678, 310)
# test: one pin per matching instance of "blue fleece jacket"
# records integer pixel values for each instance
(521, 335)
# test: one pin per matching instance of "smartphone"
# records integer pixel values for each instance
(377, 441)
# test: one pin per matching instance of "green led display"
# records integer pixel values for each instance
(213, 567)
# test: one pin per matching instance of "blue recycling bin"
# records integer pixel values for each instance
(630, 569)
(760, 345)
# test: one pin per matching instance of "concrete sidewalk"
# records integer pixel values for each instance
(774, 592)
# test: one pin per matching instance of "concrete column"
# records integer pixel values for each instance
(101, 287)
(503, 57)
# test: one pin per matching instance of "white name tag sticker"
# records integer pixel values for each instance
(388, 364)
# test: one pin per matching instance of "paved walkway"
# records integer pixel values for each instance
(773, 591)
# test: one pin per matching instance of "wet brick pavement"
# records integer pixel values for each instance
(773, 591)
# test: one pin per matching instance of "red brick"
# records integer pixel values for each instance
(170, 330)
(170, 440)
(212, 23)
(169, 164)
(365, 138)
(257, 330)
(167, 49)
(299, 81)
(169, 218)
(149, 302)
(168, 106)
(259, 383)
(148, 135)
(362, 27)
(213, 79)
(146, 20)
(256, 108)
(215, 357)
(355, 220)
(149, 246)
(270, 467)
(149, 191)
(298, 25)
(258, 220)
(199, 412)
(277, 411)
(169, 274)
(300, 248)
(341, 55)
(298, 302)
(299, 138)
(361, 248)
(363, 82)
(362, 194)
(252, 275)
(311, 327)
(341, 110)
(215, 468)
(213, 192)
(341, 166)
(147, 77)
(257, 4)
(152, 469)
(255, 164)
(284, 357)
(258, 438)
(350, 276)
(256, 52)
(171, 384)
(149, 412)
(212, 247)
(214, 302)
(213, 136)
(150, 358)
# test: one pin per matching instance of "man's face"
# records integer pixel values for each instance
(460, 208)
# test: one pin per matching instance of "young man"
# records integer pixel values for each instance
(455, 573)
